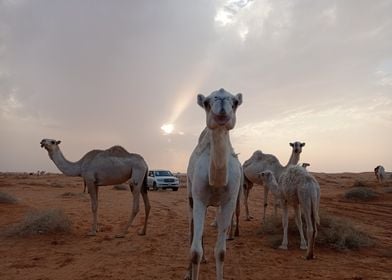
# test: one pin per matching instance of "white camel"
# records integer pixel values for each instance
(379, 171)
(214, 177)
(106, 167)
(259, 162)
(299, 188)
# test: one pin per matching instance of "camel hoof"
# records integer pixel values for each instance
(310, 257)
(141, 232)
(303, 247)
(213, 224)
(92, 233)
(283, 247)
(249, 218)
(120, 235)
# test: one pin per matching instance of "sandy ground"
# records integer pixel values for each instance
(163, 252)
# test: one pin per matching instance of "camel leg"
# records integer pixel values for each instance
(285, 223)
(246, 196)
(298, 221)
(93, 191)
(311, 233)
(135, 209)
(235, 224)
(147, 208)
(265, 202)
(199, 212)
(224, 221)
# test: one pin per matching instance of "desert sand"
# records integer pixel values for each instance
(163, 252)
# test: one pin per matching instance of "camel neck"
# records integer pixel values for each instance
(294, 159)
(65, 166)
(220, 150)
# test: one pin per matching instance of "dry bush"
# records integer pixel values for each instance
(333, 232)
(361, 194)
(122, 187)
(7, 198)
(360, 184)
(41, 222)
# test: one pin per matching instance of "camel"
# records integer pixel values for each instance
(259, 162)
(379, 171)
(106, 167)
(214, 177)
(299, 188)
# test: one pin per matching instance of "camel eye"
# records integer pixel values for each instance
(53, 142)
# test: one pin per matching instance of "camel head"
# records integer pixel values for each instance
(297, 147)
(220, 107)
(268, 177)
(49, 144)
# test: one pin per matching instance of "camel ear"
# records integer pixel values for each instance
(200, 100)
(238, 99)
(292, 144)
(302, 144)
(58, 142)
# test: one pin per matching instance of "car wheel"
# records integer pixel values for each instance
(154, 186)
(175, 189)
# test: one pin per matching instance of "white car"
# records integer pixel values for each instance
(162, 179)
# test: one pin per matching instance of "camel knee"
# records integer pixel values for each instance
(196, 256)
(220, 255)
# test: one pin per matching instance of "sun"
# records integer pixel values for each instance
(168, 128)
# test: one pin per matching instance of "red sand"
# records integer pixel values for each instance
(163, 252)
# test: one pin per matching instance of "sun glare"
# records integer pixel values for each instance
(167, 128)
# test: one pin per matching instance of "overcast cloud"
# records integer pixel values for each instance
(98, 73)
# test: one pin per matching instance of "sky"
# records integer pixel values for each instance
(98, 73)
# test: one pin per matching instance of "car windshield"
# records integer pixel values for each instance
(163, 173)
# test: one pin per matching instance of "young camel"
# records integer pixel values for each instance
(214, 177)
(259, 162)
(299, 188)
(106, 167)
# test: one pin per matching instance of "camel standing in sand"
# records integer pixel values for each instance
(101, 168)
(379, 171)
(299, 188)
(259, 162)
(214, 177)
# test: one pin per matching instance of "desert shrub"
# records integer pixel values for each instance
(340, 234)
(360, 193)
(122, 187)
(359, 184)
(7, 198)
(41, 222)
(333, 232)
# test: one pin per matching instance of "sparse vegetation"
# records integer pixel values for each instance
(361, 194)
(359, 184)
(41, 222)
(333, 232)
(7, 198)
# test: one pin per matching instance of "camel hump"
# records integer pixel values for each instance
(256, 156)
(117, 151)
